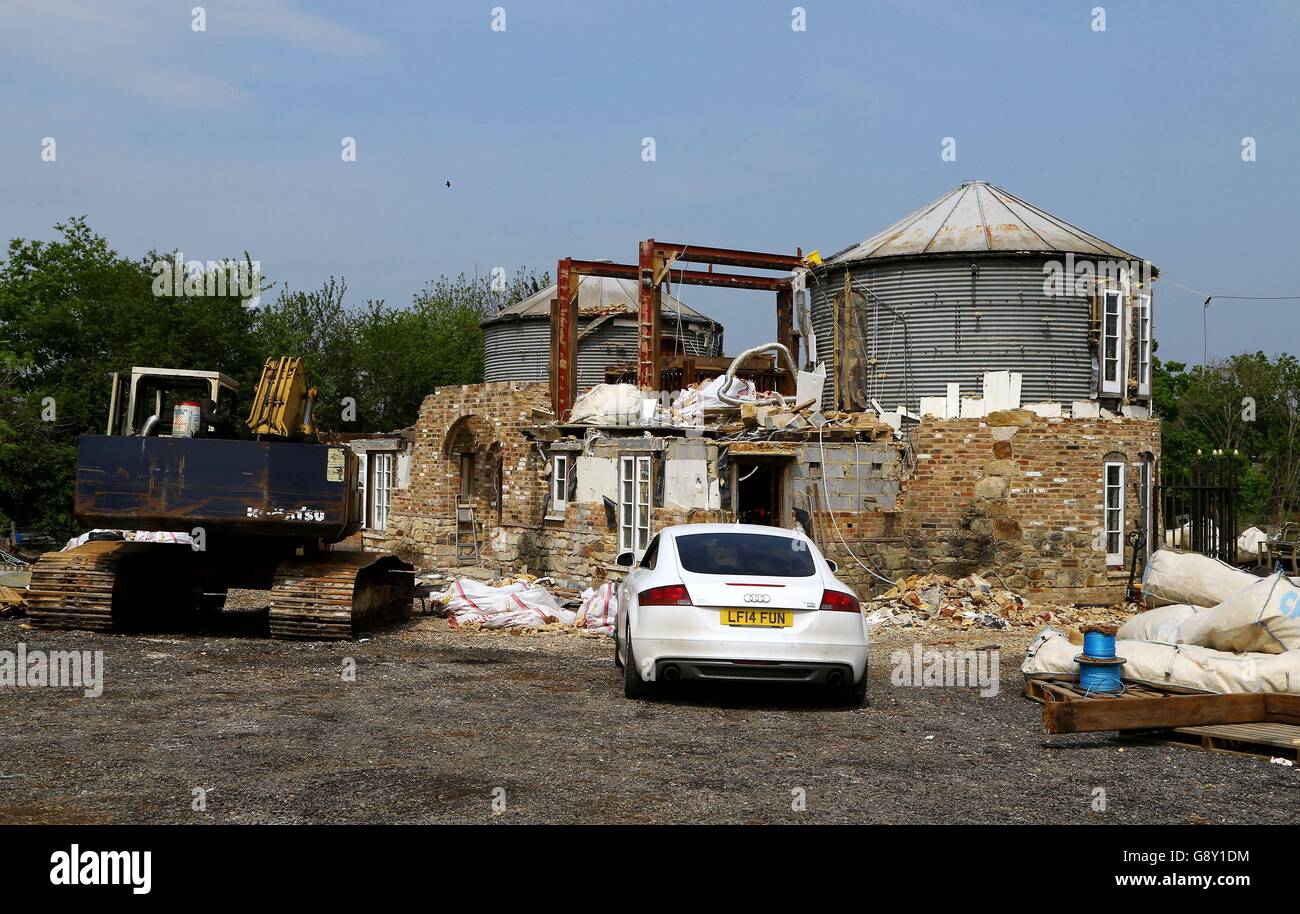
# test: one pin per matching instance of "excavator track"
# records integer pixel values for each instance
(334, 595)
(74, 589)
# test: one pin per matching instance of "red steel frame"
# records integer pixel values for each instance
(654, 267)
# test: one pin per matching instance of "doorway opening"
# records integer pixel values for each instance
(760, 491)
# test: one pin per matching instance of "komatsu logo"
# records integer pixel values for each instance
(78, 867)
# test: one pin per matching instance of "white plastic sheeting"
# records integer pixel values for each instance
(1185, 577)
(518, 605)
(1186, 666)
(1248, 544)
(137, 536)
(689, 406)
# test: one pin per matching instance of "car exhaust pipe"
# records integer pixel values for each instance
(835, 678)
(670, 673)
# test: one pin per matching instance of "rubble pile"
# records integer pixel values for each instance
(973, 601)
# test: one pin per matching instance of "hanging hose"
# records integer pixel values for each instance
(724, 392)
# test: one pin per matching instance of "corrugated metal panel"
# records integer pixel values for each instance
(595, 292)
(521, 350)
(977, 217)
(946, 335)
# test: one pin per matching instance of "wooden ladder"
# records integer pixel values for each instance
(466, 532)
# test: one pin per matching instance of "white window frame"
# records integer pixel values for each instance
(380, 466)
(1112, 518)
(1111, 386)
(560, 468)
(1147, 478)
(634, 497)
(1144, 344)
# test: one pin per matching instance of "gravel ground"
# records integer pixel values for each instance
(437, 720)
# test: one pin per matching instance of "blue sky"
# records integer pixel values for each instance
(229, 139)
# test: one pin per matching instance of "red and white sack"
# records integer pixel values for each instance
(519, 605)
(599, 607)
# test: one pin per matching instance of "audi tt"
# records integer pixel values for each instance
(738, 602)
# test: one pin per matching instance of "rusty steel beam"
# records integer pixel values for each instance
(684, 277)
(654, 267)
(648, 317)
(728, 257)
(564, 339)
(785, 335)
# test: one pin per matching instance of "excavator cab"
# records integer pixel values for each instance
(147, 393)
(262, 502)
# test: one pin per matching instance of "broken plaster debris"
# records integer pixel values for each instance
(938, 600)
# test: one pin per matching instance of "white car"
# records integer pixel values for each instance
(738, 602)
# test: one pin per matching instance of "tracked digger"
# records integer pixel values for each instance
(261, 499)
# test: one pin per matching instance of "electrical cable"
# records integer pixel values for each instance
(821, 444)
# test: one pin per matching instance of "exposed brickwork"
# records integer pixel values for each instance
(1014, 494)
(1021, 495)
(482, 421)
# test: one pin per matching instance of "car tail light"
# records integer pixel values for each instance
(668, 595)
(839, 601)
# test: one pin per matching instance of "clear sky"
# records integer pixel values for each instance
(229, 139)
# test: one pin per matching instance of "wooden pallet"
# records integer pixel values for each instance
(1041, 690)
(1261, 740)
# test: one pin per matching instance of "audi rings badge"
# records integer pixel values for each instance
(758, 598)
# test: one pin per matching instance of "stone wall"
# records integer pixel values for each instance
(507, 487)
(1014, 494)
(1020, 495)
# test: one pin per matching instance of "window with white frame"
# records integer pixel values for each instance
(1112, 343)
(633, 503)
(1113, 486)
(559, 482)
(380, 488)
(1144, 344)
(1148, 510)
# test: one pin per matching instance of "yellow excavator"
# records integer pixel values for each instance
(261, 502)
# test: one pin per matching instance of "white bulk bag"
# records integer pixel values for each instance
(1263, 617)
(1161, 624)
(1185, 577)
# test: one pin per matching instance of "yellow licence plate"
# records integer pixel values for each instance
(762, 618)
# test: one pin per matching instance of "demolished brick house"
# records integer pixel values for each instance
(985, 409)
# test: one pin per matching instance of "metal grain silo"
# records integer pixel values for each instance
(952, 291)
(517, 341)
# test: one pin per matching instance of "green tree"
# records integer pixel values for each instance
(1247, 407)
(72, 311)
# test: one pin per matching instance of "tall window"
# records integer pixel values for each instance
(1112, 334)
(380, 489)
(633, 504)
(1148, 513)
(559, 482)
(1144, 344)
(1113, 478)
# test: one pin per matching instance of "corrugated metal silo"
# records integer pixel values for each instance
(954, 290)
(517, 342)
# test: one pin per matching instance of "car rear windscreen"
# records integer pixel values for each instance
(745, 553)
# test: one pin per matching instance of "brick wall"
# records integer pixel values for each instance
(481, 420)
(1014, 494)
(1020, 495)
